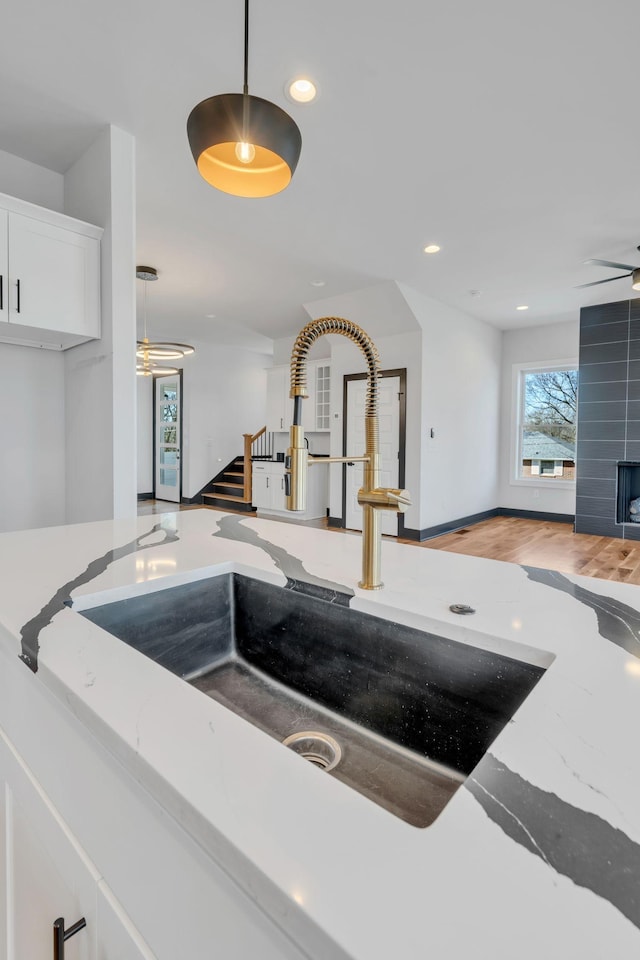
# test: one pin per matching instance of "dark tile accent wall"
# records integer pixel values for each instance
(608, 413)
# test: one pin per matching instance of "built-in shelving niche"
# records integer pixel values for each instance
(628, 489)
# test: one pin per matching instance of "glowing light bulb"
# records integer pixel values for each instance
(245, 152)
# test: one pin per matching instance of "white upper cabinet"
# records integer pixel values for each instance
(279, 406)
(4, 266)
(50, 270)
(315, 407)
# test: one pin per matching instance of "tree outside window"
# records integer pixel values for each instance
(547, 428)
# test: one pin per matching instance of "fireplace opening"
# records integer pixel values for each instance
(628, 501)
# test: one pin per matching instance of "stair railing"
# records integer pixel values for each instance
(256, 446)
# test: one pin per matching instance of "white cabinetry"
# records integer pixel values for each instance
(269, 490)
(279, 405)
(322, 396)
(47, 875)
(49, 277)
(268, 485)
(79, 837)
(315, 407)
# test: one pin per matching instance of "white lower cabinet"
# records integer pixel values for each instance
(118, 939)
(268, 485)
(80, 837)
(45, 874)
(269, 494)
(48, 876)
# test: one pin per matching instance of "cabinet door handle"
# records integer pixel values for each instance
(281, 423)
(267, 483)
(18, 296)
(1, 292)
(282, 484)
(60, 935)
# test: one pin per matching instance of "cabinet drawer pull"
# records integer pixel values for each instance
(18, 296)
(60, 935)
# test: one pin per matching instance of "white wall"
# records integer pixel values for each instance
(31, 182)
(224, 395)
(453, 386)
(144, 433)
(403, 350)
(32, 478)
(558, 341)
(100, 375)
(460, 401)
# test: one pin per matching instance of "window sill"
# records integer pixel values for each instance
(553, 484)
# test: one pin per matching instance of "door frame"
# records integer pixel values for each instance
(401, 373)
(153, 427)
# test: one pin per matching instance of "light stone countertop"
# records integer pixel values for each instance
(537, 855)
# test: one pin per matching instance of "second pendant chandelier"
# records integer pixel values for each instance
(148, 352)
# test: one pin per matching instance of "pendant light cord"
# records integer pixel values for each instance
(144, 308)
(245, 89)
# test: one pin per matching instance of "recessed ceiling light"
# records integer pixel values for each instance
(432, 248)
(317, 283)
(522, 307)
(209, 316)
(301, 90)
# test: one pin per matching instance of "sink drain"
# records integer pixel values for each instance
(317, 748)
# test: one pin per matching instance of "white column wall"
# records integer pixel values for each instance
(557, 341)
(460, 402)
(100, 375)
(32, 479)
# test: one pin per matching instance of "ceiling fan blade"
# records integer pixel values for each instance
(611, 263)
(596, 282)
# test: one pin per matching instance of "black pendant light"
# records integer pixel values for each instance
(244, 145)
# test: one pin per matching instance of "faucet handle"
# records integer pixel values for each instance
(385, 498)
(400, 496)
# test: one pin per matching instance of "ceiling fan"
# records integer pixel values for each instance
(633, 272)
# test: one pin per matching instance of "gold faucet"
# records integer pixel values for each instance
(371, 497)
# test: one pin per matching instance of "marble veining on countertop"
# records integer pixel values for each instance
(537, 855)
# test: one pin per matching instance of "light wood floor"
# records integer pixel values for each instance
(535, 543)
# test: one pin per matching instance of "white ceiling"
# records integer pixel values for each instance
(505, 131)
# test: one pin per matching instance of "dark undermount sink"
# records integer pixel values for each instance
(412, 712)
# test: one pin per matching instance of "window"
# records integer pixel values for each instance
(546, 405)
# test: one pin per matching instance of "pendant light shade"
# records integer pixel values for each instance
(219, 127)
(244, 145)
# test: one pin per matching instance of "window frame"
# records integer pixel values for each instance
(519, 372)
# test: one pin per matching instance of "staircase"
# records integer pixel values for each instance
(231, 488)
(228, 489)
